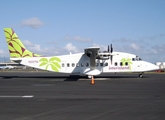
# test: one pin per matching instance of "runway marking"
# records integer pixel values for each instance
(38, 85)
(12, 96)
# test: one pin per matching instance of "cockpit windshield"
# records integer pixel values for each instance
(136, 59)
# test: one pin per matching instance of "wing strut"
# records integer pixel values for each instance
(92, 53)
(93, 61)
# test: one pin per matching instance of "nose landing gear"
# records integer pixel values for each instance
(141, 75)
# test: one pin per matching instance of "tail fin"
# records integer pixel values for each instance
(15, 46)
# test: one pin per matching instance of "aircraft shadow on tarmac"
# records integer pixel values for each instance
(72, 77)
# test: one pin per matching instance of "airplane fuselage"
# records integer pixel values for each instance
(80, 63)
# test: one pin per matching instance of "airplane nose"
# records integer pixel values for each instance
(153, 67)
(156, 67)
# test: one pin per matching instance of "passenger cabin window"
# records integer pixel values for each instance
(106, 64)
(82, 64)
(97, 64)
(121, 64)
(68, 65)
(73, 65)
(126, 63)
(115, 63)
(63, 65)
(77, 65)
(87, 65)
(101, 64)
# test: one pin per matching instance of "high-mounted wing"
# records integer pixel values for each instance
(94, 53)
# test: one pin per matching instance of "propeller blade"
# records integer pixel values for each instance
(111, 48)
(111, 57)
(108, 48)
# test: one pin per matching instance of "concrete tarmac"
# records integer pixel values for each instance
(52, 96)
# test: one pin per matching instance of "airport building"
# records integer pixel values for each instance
(15, 65)
(161, 66)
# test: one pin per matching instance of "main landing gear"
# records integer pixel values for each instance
(89, 76)
(141, 75)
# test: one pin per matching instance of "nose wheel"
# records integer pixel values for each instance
(141, 75)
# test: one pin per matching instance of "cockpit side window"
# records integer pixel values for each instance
(133, 59)
(136, 59)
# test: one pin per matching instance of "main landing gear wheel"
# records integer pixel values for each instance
(89, 76)
(140, 75)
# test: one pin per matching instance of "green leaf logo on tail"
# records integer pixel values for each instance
(15, 46)
(53, 62)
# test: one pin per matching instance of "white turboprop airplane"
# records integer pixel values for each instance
(91, 63)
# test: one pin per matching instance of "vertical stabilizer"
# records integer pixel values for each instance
(15, 46)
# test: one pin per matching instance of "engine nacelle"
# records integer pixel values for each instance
(102, 57)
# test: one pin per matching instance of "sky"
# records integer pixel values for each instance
(57, 27)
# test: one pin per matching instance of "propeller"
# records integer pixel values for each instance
(110, 50)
